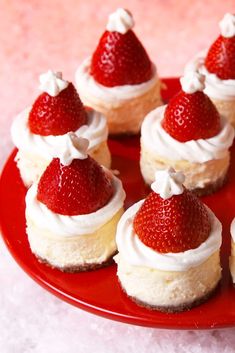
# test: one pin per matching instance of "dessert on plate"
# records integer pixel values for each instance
(40, 130)
(232, 257)
(73, 210)
(119, 79)
(218, 65)
(168, 247)
(188, 135)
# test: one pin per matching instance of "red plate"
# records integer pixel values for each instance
(98, 291)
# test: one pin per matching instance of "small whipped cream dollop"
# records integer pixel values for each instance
(113, 97)
(120, 21)
(232, 229)
(168, 183)
(227, 25)
(216, 88)
(96, 131)
(136, 253)
(52, 83)
(72, 226)
(159, 142)
(72, 147)
(192, 82)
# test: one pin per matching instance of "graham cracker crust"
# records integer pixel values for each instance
(79, 268)
(172, 309)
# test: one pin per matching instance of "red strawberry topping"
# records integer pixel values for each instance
(220, 59)
(120, 59)
(176, 224)
(57, 115)
(191, 116)
(79, 188)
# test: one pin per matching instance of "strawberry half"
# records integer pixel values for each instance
(175, 225)
(79, 188)
(57, 115)
(191, 116)
(120, 59)
(220, 59)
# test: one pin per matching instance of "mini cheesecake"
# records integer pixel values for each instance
(119, 80)
(41, 129)
(232, 257)
(168, 248)
(190, 136)
(73, 210)
(218, 65)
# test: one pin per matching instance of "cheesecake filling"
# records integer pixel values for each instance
(96, 131)
(232, 229)
(135, 253)
(158, 141)
(232, 257)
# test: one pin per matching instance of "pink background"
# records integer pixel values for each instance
(58, 34)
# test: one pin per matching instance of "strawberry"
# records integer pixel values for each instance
(191, 116)
(176, 224)
(120, 59)
(220, 59)
(57, 115)
(79, 188)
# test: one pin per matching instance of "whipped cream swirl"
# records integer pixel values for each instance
(216, 88)
(113, 97)
(137, 254)
(69, 226)
(192, 82)
(74, 147)
(120, 21)
(52, 83)
(157, 140)
(168, 183)
(95, 131)
(227, 25)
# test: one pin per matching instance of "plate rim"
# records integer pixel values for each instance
(79, 303)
